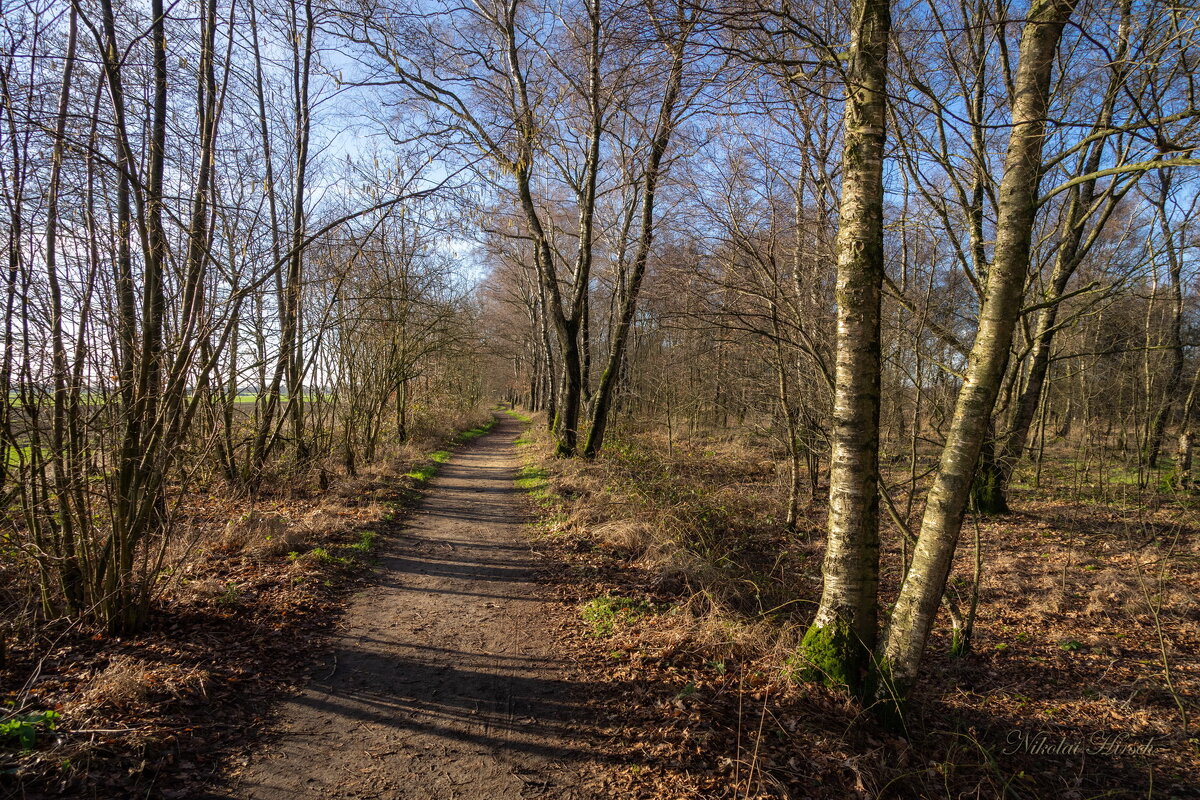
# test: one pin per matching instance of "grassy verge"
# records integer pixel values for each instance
(427, 468)
(476, 432)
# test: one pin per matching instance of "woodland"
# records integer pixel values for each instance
(857, 347)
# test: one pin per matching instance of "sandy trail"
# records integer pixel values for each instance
(442, 682)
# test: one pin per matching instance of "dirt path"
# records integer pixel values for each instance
(442, 682)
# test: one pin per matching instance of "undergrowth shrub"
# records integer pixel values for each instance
(22, 731)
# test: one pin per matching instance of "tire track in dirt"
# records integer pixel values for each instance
(443, 681)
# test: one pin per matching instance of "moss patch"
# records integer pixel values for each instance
(832, 655)
(603, 613)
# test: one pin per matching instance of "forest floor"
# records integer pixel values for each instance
(1081, 682)
(625, 628)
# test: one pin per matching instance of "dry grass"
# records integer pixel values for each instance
(129, 686)
(698, 522)
(326, 521)
(629, 535)
(705, 627)
(261, 534)
(124, 683)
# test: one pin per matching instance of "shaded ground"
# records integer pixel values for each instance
(441, 681)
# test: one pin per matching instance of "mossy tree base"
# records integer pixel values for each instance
(987, 492)
(832, 655)
(960, 642)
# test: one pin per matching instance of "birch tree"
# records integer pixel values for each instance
(907, 631)
(842, 635)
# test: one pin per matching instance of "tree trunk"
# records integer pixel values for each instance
(602, 402)
(987, 491)
(293, 351)
(1071, 253)
(1174, 327)
(838, 644)
(904, 641)
(267, 402)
